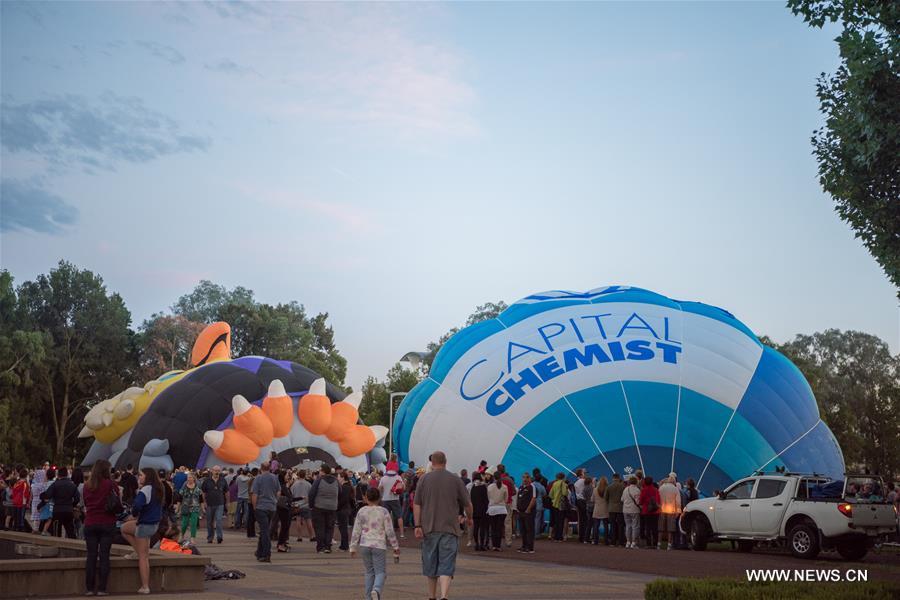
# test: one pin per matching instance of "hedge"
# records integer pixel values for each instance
(734, 589)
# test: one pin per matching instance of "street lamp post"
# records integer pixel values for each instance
(391, 421)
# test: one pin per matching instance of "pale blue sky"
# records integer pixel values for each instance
(398, 164)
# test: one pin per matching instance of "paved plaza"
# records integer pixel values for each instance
(304, 574)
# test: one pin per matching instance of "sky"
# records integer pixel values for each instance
(398, 164)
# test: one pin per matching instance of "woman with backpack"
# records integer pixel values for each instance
(101, 507)
(650, 503)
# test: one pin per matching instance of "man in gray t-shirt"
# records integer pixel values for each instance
(264, 497)
(441, 498)
(243, 499)
(300, 491)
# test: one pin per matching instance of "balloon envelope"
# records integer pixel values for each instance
(615, 380)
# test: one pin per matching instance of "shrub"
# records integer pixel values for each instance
(735, 589)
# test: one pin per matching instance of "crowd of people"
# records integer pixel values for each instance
(360, 513)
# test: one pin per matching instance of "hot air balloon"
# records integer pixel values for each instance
(616, 380)
(233, 412)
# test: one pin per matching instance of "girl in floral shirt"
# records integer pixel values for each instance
(371, 532)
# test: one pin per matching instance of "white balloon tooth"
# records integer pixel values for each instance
(214, 439)
(86, 432)
(132, 392)
(239, 405)
(124, 409)
(107, 419)
(94, 420)
(276, 389)
(318, 387)
(380, 431)
(354, 399)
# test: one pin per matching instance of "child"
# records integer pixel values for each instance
(372, 527)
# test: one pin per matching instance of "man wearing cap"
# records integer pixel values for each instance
(440, 498)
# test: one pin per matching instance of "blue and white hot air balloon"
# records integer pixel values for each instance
(615, 380)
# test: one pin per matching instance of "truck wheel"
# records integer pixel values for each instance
(852, 550)
(803, 541)
(746, 545)
(699, 534)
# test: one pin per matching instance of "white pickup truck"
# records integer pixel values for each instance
(808, 512)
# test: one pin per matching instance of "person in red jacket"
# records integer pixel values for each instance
(649, 501)
(21, 497)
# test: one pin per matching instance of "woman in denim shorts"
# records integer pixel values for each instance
(148, 510)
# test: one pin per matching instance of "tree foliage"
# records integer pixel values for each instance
(376, 394)
(856, 381)
(282, 331)
(164, 344)
(858, 149)
(86, 354)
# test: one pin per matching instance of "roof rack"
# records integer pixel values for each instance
(785, 473)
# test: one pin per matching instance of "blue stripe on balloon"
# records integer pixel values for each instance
(557, 432)
(717, 314)
(743, 449)
(408, 412)
(653, 408)
(778, 402)
(602, 408)
(817, 452)
(701, 422)
(459, 344)
(637, 296)
(519, 312)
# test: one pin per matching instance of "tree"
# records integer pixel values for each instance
(858, 149)
(856, 381)
(282, 331)
(205, 302)
(375, 394)
(164, 343)
(89, 354)
(21, 352)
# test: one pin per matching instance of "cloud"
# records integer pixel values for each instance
(166, 53)
(226, 65)
(25, 206)
(349, 218)
(71, 130)
(380, 71)
(369, 65)
(233, 8)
